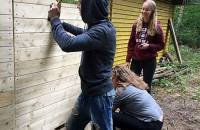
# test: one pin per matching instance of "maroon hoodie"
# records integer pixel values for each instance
(156, 43)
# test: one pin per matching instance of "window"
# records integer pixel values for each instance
(70, 1)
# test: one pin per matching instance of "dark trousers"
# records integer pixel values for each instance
(125, 122)
(148, 67)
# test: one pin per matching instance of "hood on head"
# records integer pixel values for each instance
(94, 10)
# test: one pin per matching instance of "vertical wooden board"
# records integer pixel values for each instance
(32, 66)
(6, 98)
(6, 38)
(45, 76)
(6, 23)
(6, 7)
(7, 118)
(6, 54)
(6, 69)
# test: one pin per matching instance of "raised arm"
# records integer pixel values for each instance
(72, 29)
(93, 39)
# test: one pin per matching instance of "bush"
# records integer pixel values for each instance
(188, 30)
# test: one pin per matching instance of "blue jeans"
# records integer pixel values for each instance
(97, 109)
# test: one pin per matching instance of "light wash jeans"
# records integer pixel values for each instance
(97, 109)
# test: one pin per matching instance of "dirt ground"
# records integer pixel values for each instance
(181, 112)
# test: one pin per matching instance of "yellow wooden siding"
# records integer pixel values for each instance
(124, 13)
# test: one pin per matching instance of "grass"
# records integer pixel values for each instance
(188, 83)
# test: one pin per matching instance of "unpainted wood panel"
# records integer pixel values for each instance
(33, 39)
(23, 54)
(32, 66)
(51, 123)
(6, 54)
(43, 2)
(44, 114)
(6, 83)
(6, 23)
(31, 25)
(6, 7)
(7, 118)
(25, 94)
(46, 100)
(6, 38)
(44, 76)
(6, 98)
(6, 69)
(23, 10)
(7, 112)
(38, 25)
(7, 124)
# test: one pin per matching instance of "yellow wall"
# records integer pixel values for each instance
(124, 13)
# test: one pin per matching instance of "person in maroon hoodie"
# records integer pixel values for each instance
(145, 41)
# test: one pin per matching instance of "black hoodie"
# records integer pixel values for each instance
(98, 44)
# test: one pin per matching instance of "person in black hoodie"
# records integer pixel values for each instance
(98, 46)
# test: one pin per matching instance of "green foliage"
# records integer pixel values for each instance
(196, 94)
(70, 1)
(183, 82)
(188, 30)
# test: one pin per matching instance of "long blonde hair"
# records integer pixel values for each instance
(125, 77)
(152, 25)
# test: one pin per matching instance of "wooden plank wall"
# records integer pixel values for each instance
(38, 82)
(46, 79)
(124, 13)
(7, 100)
